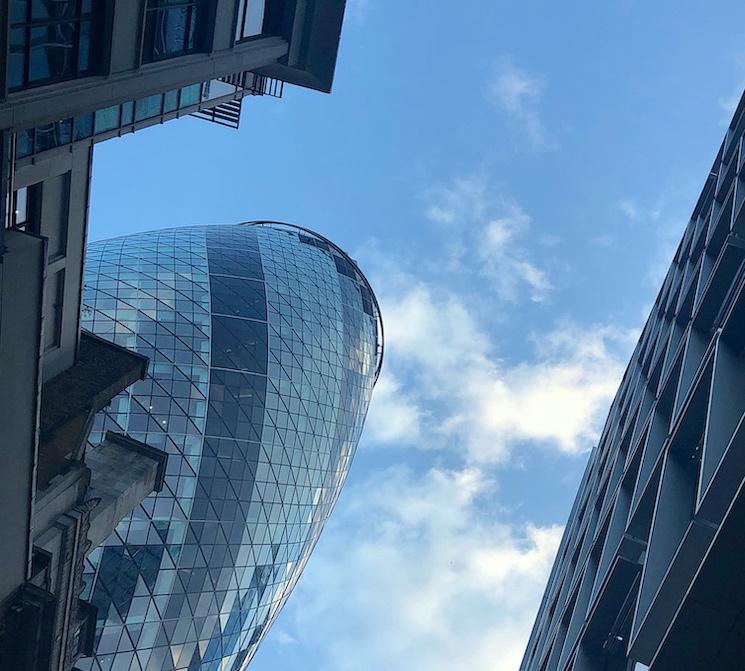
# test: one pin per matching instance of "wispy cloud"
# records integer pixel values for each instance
(517, 94)
(486, 226)
(634, 212)
(465, 398)
(421, 573)
(397, 416)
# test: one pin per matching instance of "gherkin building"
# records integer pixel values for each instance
(265, 341)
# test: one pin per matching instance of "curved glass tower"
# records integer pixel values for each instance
(265, 342)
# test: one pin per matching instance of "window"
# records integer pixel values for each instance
(147, 108)
(107, 119)
(52, 40)
(57, 134)
(26, 208)
(176, 27)
(53, 311)
(250, 19)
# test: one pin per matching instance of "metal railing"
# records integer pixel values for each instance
(228, 112)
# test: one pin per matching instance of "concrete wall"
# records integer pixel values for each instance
(64, 213)
(21, 280)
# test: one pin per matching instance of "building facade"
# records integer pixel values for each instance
(74, 73)
(649, 572)
(265, 342)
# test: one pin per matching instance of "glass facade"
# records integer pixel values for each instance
(124, 117)
(263, 356)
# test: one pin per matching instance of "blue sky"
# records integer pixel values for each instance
(513, 178)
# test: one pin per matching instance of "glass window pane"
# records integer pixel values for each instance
(21, 206)
(250, 19)
(239, 344)
(52, 39)
(52, 51)
(18, 11)
(175, 28)
(25, 143)
(170, 101)
(83, 126)
(190, 95)
(127, 112)
(84, 50)
(107, 119)
(237, 296)
(53, 135)
(149, 107)
(170, 30)
(17, 58)
(59, 9)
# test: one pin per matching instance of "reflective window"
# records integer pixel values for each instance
(238, 297)
(107, 119)
(243, 344)
(190, 95)
(52, 40)
(149, 107)
(176, 27)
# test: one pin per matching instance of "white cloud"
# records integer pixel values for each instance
(394, 415)
(485, 227)
(419, 574)
(518, 94)
(466, 399)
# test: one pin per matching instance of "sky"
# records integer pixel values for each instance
(513, 179)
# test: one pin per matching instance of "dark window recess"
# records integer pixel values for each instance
(313, 242)
(53, 40)
(238, 297)
(176, 27)
(239, 344)
(344, 267)
(236, 405)
(245, 262)
(367, 301)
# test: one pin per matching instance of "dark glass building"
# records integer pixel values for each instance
(265, 343)
(649, 572)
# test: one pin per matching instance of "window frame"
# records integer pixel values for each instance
(96, 22)
(31, 222)
(203, 41)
